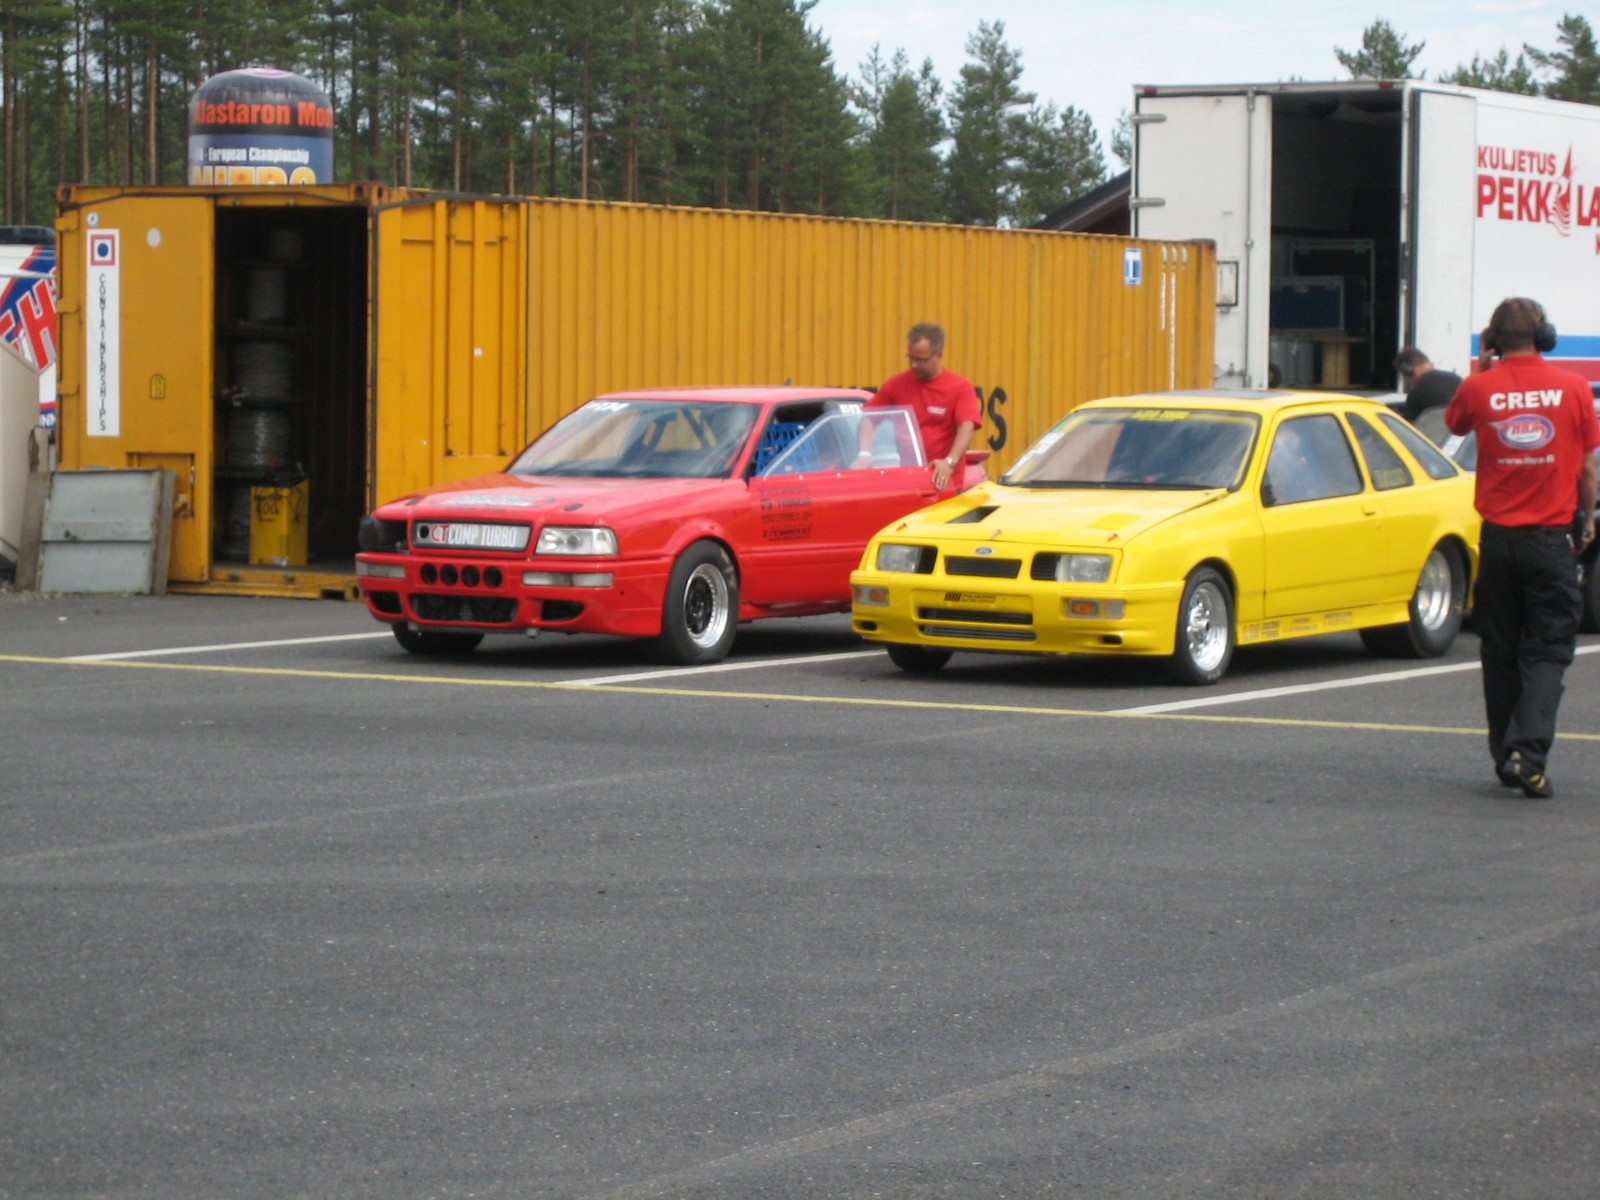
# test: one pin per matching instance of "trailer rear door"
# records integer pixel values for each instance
(136, 275)
(1202, 168)
(1441, 196)
(449, 336)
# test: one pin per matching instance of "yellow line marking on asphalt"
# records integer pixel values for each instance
(775, 697)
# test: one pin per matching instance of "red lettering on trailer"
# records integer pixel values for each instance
(1588, 214)
(1486, 189)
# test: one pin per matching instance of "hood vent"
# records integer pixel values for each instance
(974, 515)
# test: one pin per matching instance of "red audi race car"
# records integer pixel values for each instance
(670, 515)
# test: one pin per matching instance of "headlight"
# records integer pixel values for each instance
(576, 539)
(1083, 568)
(905, 560)
(373, 534)
(380, 570)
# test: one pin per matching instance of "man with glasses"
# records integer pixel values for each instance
(945, 405)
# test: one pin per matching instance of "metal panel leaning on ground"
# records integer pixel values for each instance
(624, 296)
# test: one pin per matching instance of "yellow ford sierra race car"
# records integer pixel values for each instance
(1182, 524)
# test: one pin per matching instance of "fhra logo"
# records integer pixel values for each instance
(1527, 432)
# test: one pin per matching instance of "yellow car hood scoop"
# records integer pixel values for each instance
(1088, 515)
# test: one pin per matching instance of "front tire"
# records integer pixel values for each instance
(1436, 609)
(701, 609)
(429, 641)
(919, 660)
(1204, 645)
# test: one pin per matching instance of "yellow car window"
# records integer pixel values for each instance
(1428, 456)
(1385, 468)
(1310, 460)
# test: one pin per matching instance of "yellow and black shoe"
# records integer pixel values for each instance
(1517, 771)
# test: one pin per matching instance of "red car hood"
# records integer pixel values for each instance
(511, 497)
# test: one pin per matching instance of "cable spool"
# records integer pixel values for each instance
(285, 245)
(266, 295)
(236, 526)
(263, 368)
(259, 438)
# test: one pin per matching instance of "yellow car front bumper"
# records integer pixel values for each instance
(1045, 617)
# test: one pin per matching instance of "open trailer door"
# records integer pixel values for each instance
(135, 273)
(1202, 169)
(1441, 198)
(449, 364)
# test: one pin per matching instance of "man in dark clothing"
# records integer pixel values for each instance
(1426, 386)
(1536, 487)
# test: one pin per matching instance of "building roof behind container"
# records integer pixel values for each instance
(1102, 210)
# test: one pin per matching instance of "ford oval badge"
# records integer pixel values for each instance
(984, 550)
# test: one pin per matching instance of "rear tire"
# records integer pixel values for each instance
(1204, 645)
(1589, 580)
(430, 641)
(701, 610)
(1436, 608)
(919, 660)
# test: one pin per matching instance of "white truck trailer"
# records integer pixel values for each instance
(1355, 218)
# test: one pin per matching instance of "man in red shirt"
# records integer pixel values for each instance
(1536, 487)
(944, 404)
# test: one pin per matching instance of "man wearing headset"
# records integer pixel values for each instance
(1536, 487)
(1426, 385)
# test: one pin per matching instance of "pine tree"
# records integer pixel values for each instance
(1122, 138)
(1383, 54)
(775, 126)
(1495, 74)
(1059, 160)
(986, 130)
(903, 128)
(30, 32)
(1576, 68)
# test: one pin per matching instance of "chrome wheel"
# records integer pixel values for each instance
(1205, 630)
(1435, 595)
(705, 606)
(700, 610)
(1204, 641)
(1433, 617)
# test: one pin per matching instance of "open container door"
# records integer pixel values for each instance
(449, 362)
(1202, 170)
(1440, 199)
(135, 275)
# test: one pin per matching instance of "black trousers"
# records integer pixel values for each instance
(1527, 606)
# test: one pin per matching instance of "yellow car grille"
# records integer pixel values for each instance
(987, 568)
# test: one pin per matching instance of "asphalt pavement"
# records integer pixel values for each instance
(287, 912)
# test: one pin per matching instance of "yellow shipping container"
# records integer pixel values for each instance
(367, 341)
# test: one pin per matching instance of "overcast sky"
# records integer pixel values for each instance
(1090, 53)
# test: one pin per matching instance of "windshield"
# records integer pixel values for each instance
(1140, 448)
(642, 439)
